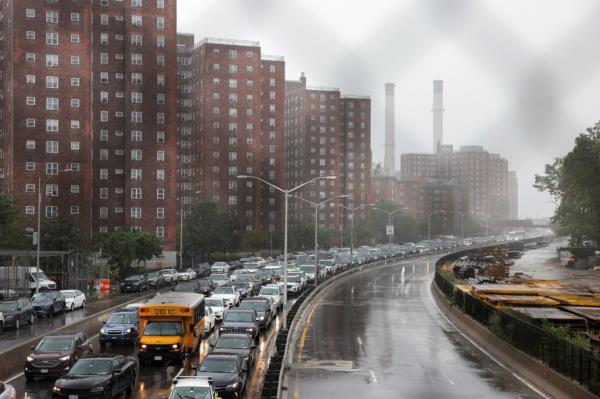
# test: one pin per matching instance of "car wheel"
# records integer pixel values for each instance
(102, 344)
(108, 393)
(17, 323)
(31, 319)
(29, 378)
(131, 388)
(83, 304)
(72, 307)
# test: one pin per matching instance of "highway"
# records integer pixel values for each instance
(154, 382)
(378, 334)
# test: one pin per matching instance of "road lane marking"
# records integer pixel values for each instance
(359, 341)
(476, 345)
(448, 378)
(372, 377)
(301, 348)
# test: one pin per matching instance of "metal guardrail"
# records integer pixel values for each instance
(572, 361)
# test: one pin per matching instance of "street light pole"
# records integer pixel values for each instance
(317, 206)
(351, 210)
(286, 193)
(389, 223)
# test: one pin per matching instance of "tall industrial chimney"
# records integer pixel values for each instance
(389, 161)
(438, 114)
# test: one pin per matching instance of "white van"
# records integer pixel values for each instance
(24, 278)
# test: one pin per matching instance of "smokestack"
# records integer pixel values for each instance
(438, 114)
(389, 161)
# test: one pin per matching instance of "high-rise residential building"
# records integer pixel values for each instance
(513, 195)
(327, 134)
(483, 175)
(237, 111)
(90, 109)
(185, 124)
(438, 114)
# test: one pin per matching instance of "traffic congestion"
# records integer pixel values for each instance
(209, 328)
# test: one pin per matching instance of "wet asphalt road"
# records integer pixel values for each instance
(154, 382)
(377, 334)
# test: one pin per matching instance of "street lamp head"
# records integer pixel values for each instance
(242, 176)
(330, 177)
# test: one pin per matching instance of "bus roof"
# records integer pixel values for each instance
(177, 298)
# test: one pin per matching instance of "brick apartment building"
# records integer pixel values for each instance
(327, 134)
(238, 129)
(482, 174)
(89, 106)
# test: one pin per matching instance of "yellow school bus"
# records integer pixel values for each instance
(171, 326)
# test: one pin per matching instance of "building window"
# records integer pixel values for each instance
(51, 211)
(233, 54)
(136, 155)
(160, 156)
(136, 97)
(74, 210)
(51, 60)
(136, 59)
(136, 174)
(160, 231)
(30, 166)
(160, 4)
(75, 103)
(30, 101)
(52, 147)
(160, 41)
(52, 103)
(136, 193)
(30, 188)
(160, 193)
(160, 23)
(30, 35)
(104, 58)
(51, 190)
(136, 78)
(74, 60)
(136, 3)
(103, 214)
(160, 213)
(30, 210)
(160, 174)
(52, 125)
(160, 60)
(52, 17)
(74, 17)
(136, 39)
(136, 213)
(136, 20)
(30, 79)
(103, 174)
(52, 38)
(30, 12)
(75, 145)
(75, 189)
(103, 193)
(74, 38)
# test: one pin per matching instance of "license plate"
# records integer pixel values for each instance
(44, 371)
(157, 357)
(73, 396)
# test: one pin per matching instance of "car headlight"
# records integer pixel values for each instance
(249, 329)
(175, 346)
(144, 346)
(261, 318)
(64, 358)
(103, 330)
(97, 389)
(131, 330)
(56, 389)
(233, 385)
(29, 359)
(222, 329)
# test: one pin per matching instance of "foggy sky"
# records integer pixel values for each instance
(522, 77)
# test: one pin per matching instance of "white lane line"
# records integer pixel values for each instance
(372, 377)
(475, 344)
(448, 378)
(359, 341)
(403, 321)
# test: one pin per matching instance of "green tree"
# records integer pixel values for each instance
(254, 240)
(123, 247)
(61, 235)
(210, 229)
(573, 182)
(11, 237)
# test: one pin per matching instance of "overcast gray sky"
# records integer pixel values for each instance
(522, 77)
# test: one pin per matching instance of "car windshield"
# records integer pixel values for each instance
(256, 305)
(245, 279)
(133, 278)
(41, 276)
(327, 262)
(164, 328)
(68, 294)
(7, 306)
(224, 290)
(250, 265)
(265, 273)
(232, 343)
(121, 318)
(240, 285)
(218, 366)
(52, 344)
(191, 393)
(42, 297)
(239, 316)
(269, 291)
(165, 272)
(307, 269)
(185, 287)
(293, 279)
(203, 283)
(92, 367)
(153, 275)
(214, 302)
(219, 277)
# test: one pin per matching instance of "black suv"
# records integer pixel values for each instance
(98, 377)
(16, 312)
(155, 280)
(203, 286)
(264, 313)
(228, 373)
(241, 321)
(135, 283)
(48, 303)
(54, 355)
(240, 344)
